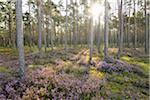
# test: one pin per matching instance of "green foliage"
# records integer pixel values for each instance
(76, 71)
(3, 69)
(141, 62)
(95, 73)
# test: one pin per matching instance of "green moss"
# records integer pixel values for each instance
(94, 72)
(33, 66)
(42, 61)
(126, 58)
(143, 63)
(13, 53)
(114, 87)
(144, 60)
(75, 70)
(3, 69)
(119, 79)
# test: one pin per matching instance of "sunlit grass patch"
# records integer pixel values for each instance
(121, 83)
(116, 78)
(33, 49)
(141, 62)
(32, 66)
(126, 58)
(114, 87)
(96, 59)
(145, 60)
(86, 58)
(93, 72)
(143, 65)
(8, 51)
(112, 51)
(76, 70)
(3, 69)
(13, 52)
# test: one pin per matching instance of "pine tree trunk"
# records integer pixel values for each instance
(20, 43)
(106, 28)
(10, 28)
(120, 15)
(91, 40)
(39, 26)
(30, 34)
(45, 36)
(77, 25)
(135, 32)
(128, 34)
(146, 29)
(98, 38)
(66, 29)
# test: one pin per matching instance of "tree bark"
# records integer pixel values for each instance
(39, 25)
(106, 28)
(128, 32)
(146, 28)
(10, 29)
(30, 32)
(20, 43)
(120, 15)
(98, 38)
(91, 40)
(77, 25)
(66, 28)
(135, 32)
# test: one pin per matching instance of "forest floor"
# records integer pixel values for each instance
(56, 75)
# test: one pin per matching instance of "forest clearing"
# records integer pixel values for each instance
(74, 49)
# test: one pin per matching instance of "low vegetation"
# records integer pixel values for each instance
(54, 77)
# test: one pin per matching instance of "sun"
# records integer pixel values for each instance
(97, 10)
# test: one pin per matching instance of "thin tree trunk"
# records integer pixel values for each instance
(148, 33)
(120, 14)
(74, 24)
(125, 27)
(135, 32)
(128, 37)
(77, 25)
(66, 30)
(91, 40)
(47, 32)
(51, 39)
(39, 25)
(146, 29)
(45, 37)
(30, 34)
(10, 29)
(20, 43)
(10, 24)
(98, 38)
(106, 28)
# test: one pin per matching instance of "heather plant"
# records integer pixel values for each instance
(73, 79)
(46, 83)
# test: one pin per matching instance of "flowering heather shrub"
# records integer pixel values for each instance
(91, 85)
(75, 70)
(13, 89)
(68, 86)
(40, 75)
(46, 83)
(119, 67)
